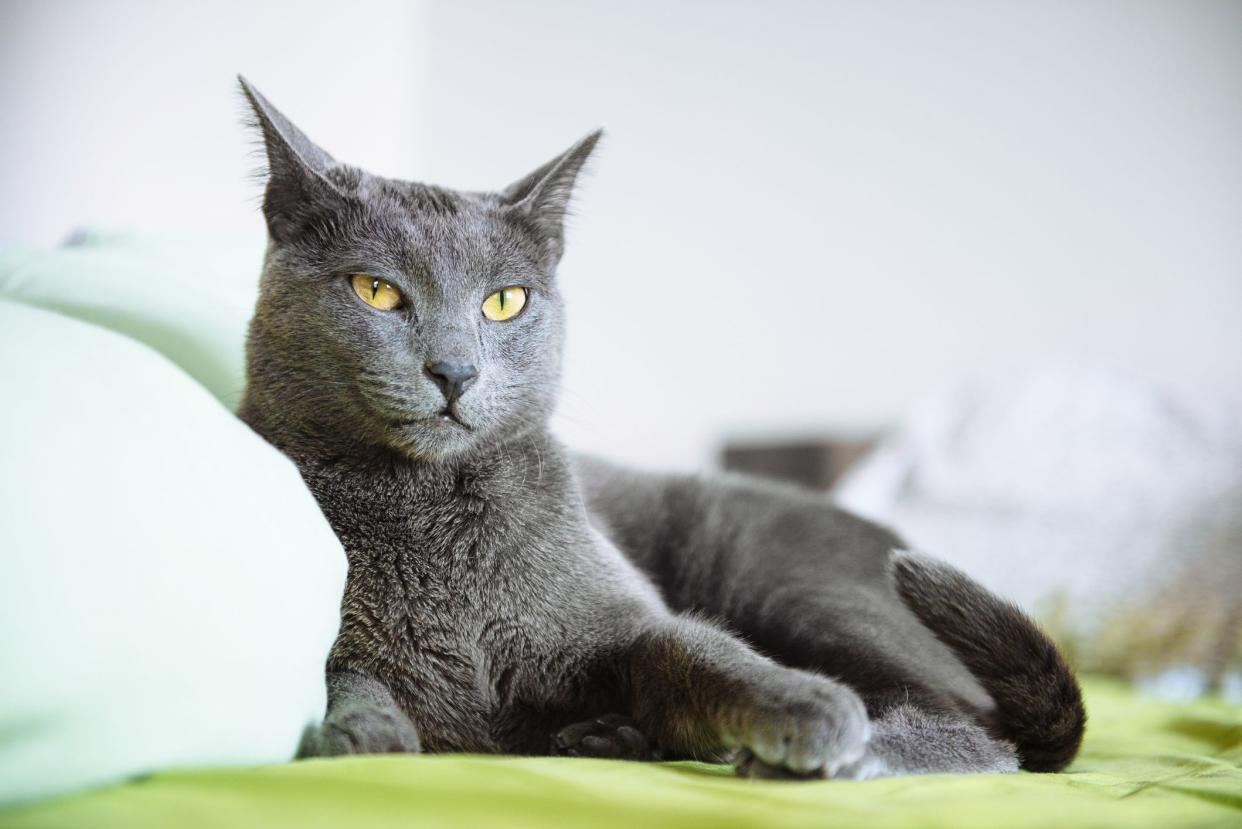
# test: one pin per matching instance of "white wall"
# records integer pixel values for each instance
(126, 113)
(807, 214)
(804, 216)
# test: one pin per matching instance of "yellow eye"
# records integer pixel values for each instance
(505, 304)
(376, 292)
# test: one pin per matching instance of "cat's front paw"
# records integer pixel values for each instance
(611, 736)
(801, 726)
(361, 727)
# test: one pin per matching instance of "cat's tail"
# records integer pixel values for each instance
(1039, 704)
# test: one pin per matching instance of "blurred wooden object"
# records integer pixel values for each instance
(817, 464)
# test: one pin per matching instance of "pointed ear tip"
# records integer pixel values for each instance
(252, 96)
(261, 105)
(586, 146)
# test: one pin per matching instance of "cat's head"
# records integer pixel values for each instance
(401, 315)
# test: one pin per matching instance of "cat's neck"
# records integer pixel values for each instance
(415, 511)
(533, 459)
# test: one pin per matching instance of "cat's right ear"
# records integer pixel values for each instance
(543, 196)
(296, 168)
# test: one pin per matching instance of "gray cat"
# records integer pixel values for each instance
(504, 596)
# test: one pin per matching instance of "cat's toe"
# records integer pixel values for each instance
(746, 764)
(811, 728)
(361, 727)
(611, 736)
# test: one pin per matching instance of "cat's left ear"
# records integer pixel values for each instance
(543, 196)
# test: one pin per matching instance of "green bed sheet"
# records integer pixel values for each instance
(1144, 763)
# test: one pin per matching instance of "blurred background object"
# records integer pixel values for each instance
(817, 464)
(1108, 507)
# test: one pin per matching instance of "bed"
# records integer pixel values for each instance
(1144, 763)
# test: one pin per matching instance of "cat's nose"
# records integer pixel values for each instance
(452, 378)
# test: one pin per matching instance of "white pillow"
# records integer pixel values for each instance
(169, 589)
(189, 299)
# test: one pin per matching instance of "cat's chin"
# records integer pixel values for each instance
(435, 438)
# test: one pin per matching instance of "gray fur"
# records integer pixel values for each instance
(503, 597)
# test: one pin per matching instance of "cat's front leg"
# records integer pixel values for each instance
(700, 692)
(362, 718)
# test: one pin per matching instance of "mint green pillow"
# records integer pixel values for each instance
(188, 299)
(169, 589)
